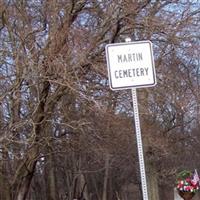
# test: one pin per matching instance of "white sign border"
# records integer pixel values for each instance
(131, 86)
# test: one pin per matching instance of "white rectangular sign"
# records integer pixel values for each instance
(130, 65)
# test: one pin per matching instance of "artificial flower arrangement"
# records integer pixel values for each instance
(188, 181)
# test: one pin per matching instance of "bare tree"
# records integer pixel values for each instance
(63, 131)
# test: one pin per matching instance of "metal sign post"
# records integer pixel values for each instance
(131, 65)
(139, 145)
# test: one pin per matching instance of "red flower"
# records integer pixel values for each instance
(188, 180)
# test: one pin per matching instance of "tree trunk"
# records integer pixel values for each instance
(4, 184)
(104, 196)
(152, 181)
(84, 191)
(25, 182)
(25, 171)
(151, 172)
(51, 179)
